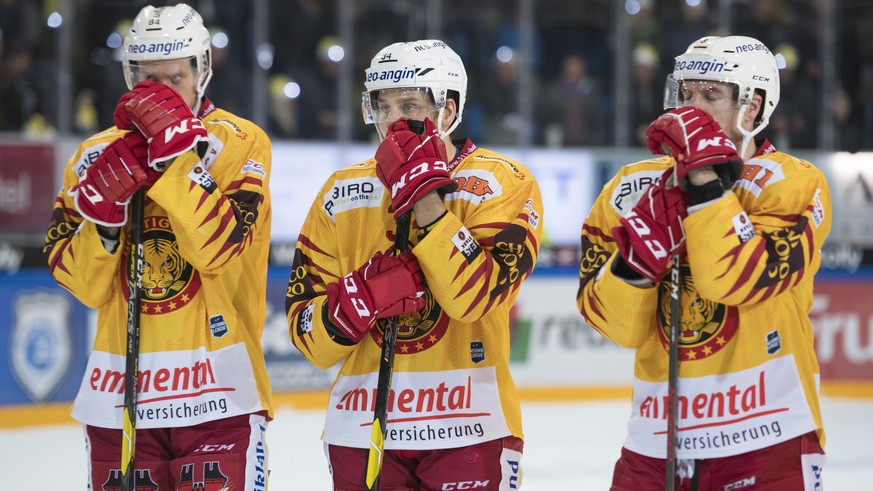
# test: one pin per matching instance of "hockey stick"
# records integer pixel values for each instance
(386, 369)
(134, 283)
(673, 376)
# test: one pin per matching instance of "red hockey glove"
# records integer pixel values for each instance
(411, 162)
(120, 116)
(651, 233)
(164, 118)
(104, 191)
(695, 140)
(383, 287)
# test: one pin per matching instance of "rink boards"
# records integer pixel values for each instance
(45, 335)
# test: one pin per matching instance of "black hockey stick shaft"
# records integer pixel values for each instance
(134, 282)
(673, 376)
(386, 370)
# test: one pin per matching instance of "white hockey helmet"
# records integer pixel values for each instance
(430, 64)
(739, 60)
(168, 33)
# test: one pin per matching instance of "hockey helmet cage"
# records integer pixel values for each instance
(168, 33)
(429, 64)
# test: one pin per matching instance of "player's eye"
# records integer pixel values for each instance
(381, 108)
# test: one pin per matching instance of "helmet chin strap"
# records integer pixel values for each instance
(439, 123)
(201, 89)
(451, 128)
(747, 135)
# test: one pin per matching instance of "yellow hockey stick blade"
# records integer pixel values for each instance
(129, 442)
(374, 460)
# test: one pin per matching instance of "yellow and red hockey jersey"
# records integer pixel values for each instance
(205, 243)
(451, 385)
(748, 375)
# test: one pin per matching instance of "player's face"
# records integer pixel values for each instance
(716, 98)
(393, 104)
(178, 74)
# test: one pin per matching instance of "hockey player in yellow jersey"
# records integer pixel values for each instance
(204, 396)
(453, 412)
(748, 237)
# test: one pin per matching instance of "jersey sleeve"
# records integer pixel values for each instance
(743, 257)
(316, 263)
(621, 312)
(214, 225)
(76, 256)
(474, 266)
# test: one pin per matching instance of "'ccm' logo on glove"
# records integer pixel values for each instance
(639, 225)
(718, 141)
(415, 172)
(359, 304)
(91, 193)
(182, 128)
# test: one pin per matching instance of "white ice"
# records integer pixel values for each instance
(569, 446)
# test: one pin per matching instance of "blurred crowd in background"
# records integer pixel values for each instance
(556, 73)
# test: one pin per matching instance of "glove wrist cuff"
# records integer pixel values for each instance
(335, 333)
(704, 192)
(109, 236)
(621, 269)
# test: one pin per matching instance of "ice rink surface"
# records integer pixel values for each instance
(568, 446)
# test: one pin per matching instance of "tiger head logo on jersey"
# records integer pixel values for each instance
(169, 282)
(163, 268)
(705, 326)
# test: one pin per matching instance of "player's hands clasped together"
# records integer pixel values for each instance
(164, 118)
(651, 233)
(695, 140)
(411, 162)
(103, 193)
(383, 287)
